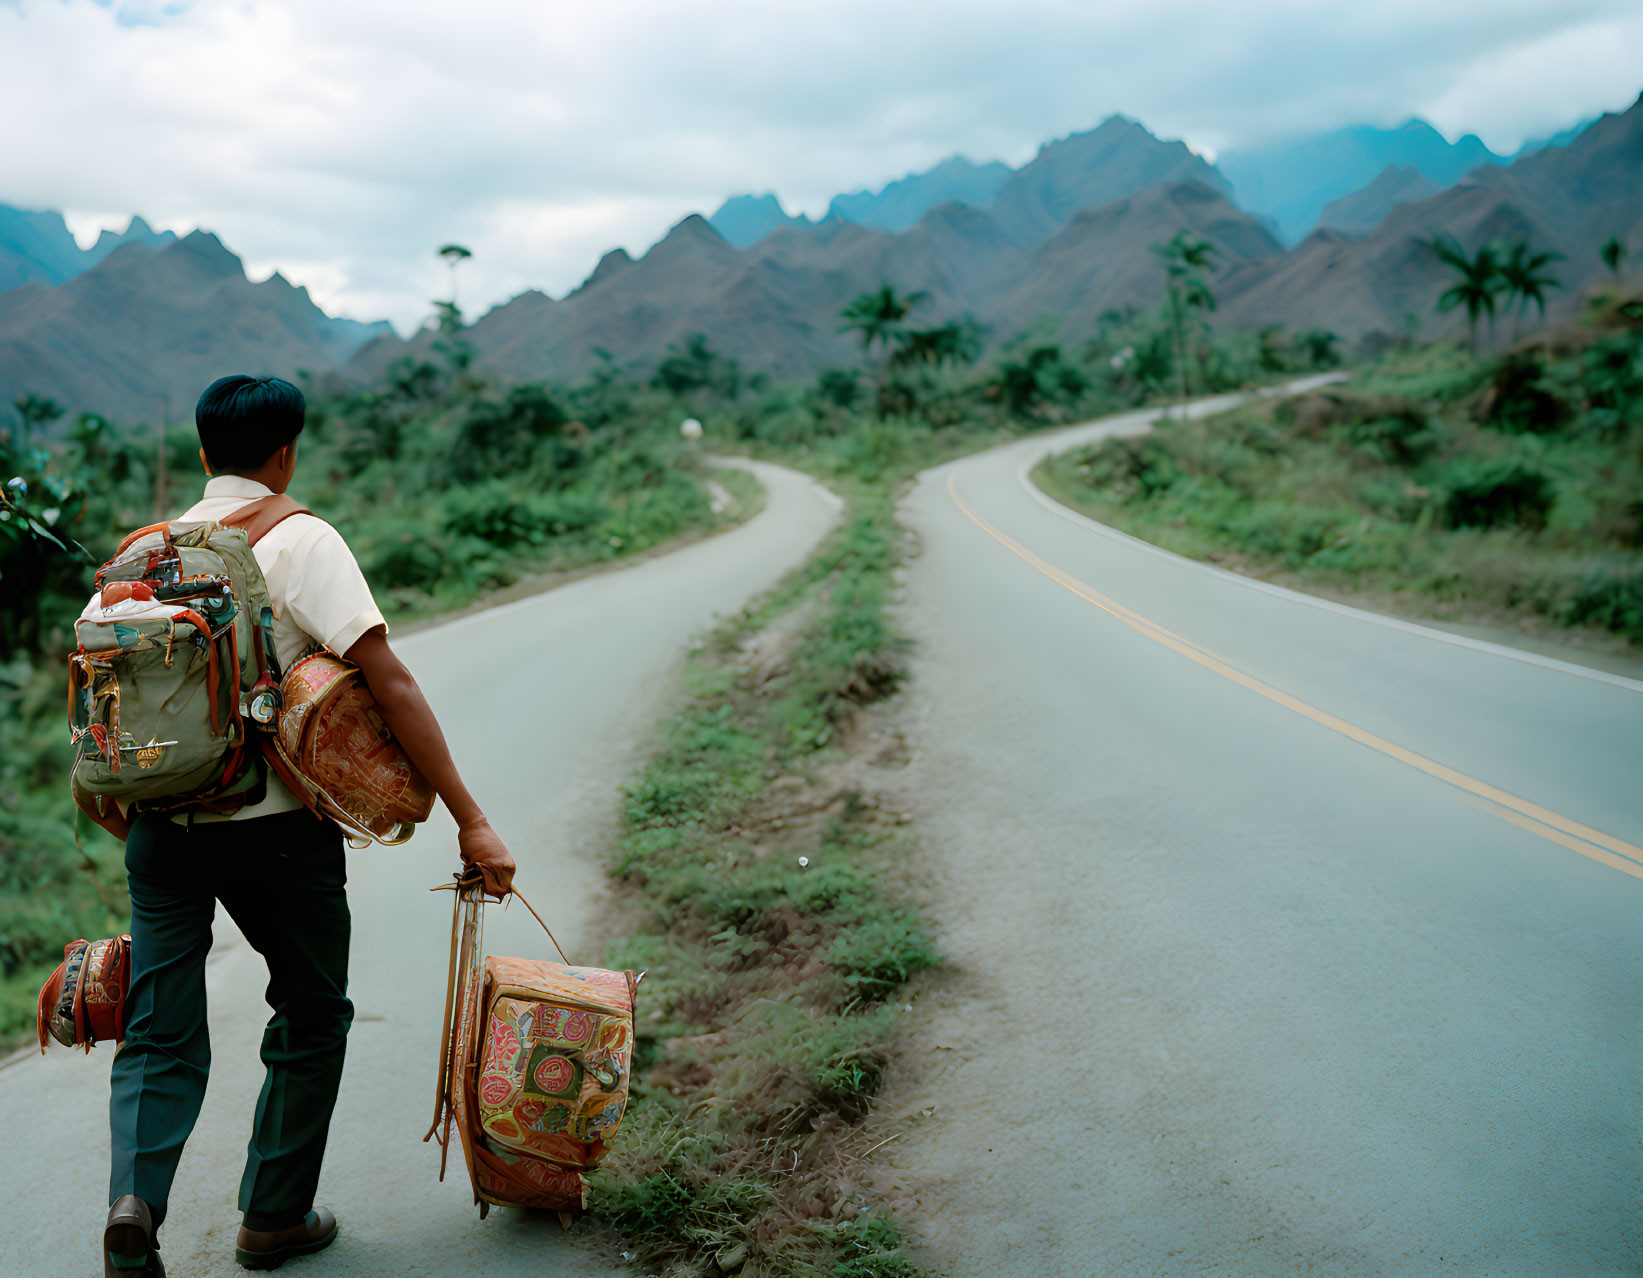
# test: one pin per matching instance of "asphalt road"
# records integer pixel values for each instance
(546, 702)
(1283, 937)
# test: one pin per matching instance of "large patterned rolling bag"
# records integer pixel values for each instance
(533, 1067)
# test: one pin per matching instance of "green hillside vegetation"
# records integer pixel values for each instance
(1502, 490)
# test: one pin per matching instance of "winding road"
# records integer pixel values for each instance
(546, 701)
(1283, 937)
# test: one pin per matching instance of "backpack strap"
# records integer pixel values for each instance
(261, 517)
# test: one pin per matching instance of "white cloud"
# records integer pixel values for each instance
(344, 142)
(1594, 66)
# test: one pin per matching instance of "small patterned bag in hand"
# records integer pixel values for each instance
(84, 1000)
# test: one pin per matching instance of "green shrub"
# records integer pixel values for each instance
(397, 553)
(1041, 375)
(494, 513)
(1138, 468)
(1523, 399)
(1402, 437)
(1501, 492)
(840, 387)
(1611, 379)
(1612, 599)
(1291, 534)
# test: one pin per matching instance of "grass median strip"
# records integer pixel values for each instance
(755, 872)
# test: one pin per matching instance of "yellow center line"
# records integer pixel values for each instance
(1604, 848)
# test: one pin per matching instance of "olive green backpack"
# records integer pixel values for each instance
(175, 676)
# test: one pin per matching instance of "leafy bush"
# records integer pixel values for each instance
(1291, 534)
(1611, 378)
(1142, 467)
(1042, 375)
(1611, 599)
(1523, 399)
(1402, 437)
(1498, 493)
(838, 386)
(398, 552)
(498, 437)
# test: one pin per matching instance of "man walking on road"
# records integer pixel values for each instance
(277, 870)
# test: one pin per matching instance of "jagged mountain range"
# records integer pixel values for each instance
(36, 247)
(1289, 183)
(1568, 199)
(1064, 239)
(1047, 247)
(744, 220)
(138, 334)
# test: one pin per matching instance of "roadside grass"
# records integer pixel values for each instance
(756, 881)
(1502, 492)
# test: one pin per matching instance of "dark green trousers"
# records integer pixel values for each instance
(282, 879)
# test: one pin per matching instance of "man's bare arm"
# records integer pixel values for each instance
(407, 713)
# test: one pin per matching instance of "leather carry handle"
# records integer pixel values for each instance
(468, 882)
(545, 927)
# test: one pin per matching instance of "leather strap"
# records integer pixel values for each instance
(545, 927)
(261, 517)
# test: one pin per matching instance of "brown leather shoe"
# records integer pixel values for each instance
(129, 1247)
(269, 1249)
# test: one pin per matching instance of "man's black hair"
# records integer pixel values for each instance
(243, 421)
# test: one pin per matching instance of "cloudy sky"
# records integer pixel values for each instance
(342, 141)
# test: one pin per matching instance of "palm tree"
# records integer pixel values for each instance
(1476, 283)
(1523, 278)
(1613, 254)
(877, 316)
(454, 255)
(1184, 255)
(956, 342)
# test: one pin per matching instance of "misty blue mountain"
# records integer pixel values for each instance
(37, 247)
(900, 204)
(1290, 181)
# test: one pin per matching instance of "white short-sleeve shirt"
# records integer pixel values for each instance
(315, 585)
